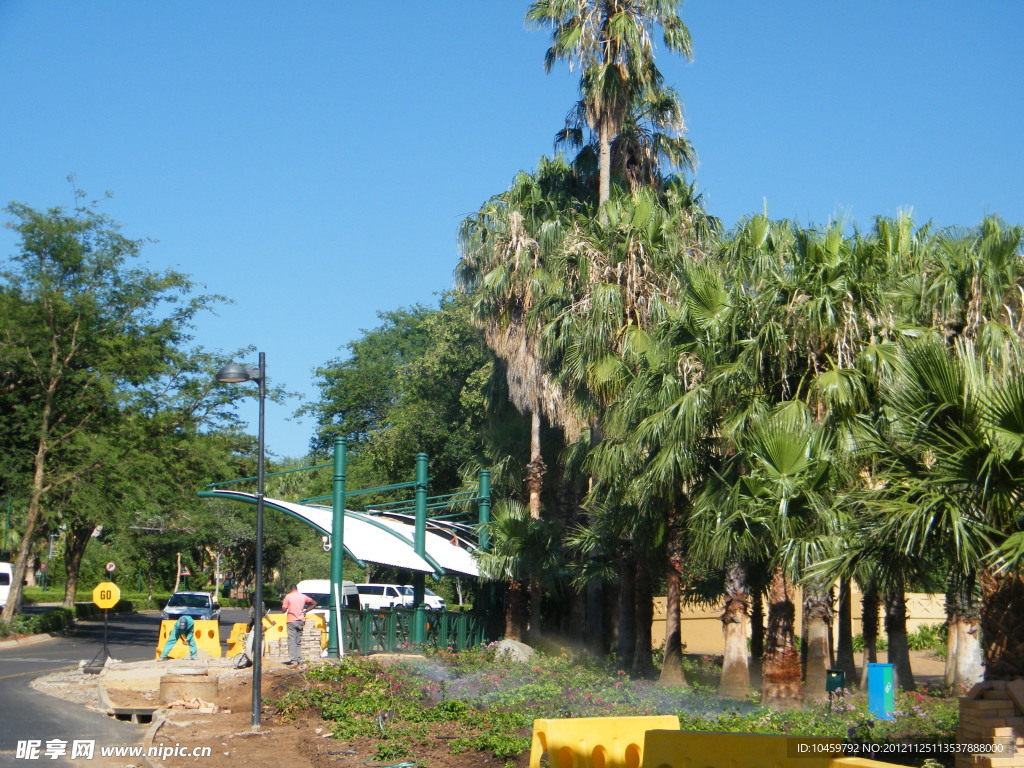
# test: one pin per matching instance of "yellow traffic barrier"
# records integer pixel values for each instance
(320, 622)
(595, 742)
(236, 640)
(207, 638)
(681, 749)
(275, 627)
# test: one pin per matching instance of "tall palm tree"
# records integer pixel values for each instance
(621, 280)
(650, 142)
(611, 43)
(506, 248)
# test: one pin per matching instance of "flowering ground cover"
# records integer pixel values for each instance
(474, 701)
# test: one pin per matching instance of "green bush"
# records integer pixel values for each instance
(54, 619)
(928, 637)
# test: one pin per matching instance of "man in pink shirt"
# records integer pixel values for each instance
(294, 605)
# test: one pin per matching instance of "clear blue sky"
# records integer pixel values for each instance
(312, 160)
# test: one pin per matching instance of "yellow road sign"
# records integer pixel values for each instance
(106, 594)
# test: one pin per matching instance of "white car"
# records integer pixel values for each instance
(382, 596)
(6, 573)
(432, 600)
(199, 605)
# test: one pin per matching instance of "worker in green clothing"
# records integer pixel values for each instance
(184, 628)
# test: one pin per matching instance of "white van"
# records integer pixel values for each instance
(320, 591)
(6, 574)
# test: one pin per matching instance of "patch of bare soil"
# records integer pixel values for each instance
(304, 742)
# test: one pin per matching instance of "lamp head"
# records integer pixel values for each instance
(233, 373)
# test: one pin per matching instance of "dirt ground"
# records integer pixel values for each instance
(304, 742)
(301, 743)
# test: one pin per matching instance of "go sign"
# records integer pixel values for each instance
(106, 594)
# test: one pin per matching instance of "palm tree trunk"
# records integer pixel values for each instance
(643, 651)
(756, 637)
(596, 634)
(625, 640)
(896, 633)
(845, 660)
(75, 542)
(952, 619)
(535, 608)
(869, 629)
(817, 616)
(536, 469)
(735, 680)
(1002, 625)
(604, 191)
(574, 620)
(969, 668)
(780, 671)
(514, 611)
(672, 665)
(757, 626)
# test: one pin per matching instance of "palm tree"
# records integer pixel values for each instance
(791, 485)
(650, 142)
(523, 549)
(506, 247)
(611, 42)
(956, 463)
(620, 281)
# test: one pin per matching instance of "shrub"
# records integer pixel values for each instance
(54, 619)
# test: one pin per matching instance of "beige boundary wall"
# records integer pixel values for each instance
(702, 628)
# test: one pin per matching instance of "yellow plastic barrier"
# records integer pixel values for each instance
(320, 622)
(681, 749)
(595, 742)
(236, 640)
(207, 639)
(275, 627)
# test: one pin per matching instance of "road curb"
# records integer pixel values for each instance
(33, 639)
(26, 640)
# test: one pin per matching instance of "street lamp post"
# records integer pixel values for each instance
(232, 373)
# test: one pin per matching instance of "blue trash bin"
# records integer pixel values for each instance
(881, 691)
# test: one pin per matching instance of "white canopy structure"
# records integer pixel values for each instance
(375, 538)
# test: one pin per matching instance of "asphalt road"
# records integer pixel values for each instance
(27, 714)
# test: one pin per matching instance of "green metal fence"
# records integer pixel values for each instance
(390, 631)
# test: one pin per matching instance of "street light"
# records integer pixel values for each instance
(233, 373)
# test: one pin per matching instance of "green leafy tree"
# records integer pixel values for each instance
(81, 332)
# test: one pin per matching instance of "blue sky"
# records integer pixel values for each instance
(312, 160)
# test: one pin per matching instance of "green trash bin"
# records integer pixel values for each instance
(835, 679)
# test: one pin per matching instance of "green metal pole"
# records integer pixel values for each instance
(334, 649)
(420, 546)
(483, 591)
(484, 513)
